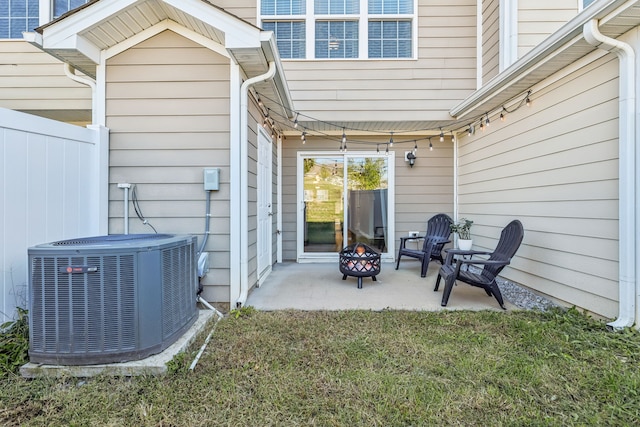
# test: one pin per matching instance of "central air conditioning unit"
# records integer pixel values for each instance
(109, 299)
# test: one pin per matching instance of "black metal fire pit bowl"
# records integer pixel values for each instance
(359, 260)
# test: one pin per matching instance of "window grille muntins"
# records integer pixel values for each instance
(290, 37)
(60, 7)
(336, 39)
(17, 17)
(341, 29)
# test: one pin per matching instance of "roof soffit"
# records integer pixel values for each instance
(559, 50)
(105, 24)
(79, 36)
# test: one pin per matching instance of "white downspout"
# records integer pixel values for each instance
(244, 180)
(627, 159)
(70, 72)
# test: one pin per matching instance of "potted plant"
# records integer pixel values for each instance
(463, 229)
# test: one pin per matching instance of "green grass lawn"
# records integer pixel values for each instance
(362, 368)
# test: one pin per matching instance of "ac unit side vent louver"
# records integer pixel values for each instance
(110, 298)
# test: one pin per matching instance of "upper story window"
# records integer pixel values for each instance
(324, 29)
(586, 3)
(60, 7)
(17, 16)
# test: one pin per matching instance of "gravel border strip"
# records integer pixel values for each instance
(524, 298)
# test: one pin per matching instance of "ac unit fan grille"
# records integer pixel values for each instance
(111, 238)
(178, 265)
(84, 313)
(111, 302)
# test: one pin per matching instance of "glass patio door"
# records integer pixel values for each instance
(345, 199)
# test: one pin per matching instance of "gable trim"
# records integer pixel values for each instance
(165, 25)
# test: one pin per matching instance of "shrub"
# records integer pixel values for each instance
(14, 344)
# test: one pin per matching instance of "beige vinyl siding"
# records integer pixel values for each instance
(244, 9)
(290, 147)
(420, 192)
(490, 39)
(538, 19)
(424, 190)
(390, 90)
(167, 108)
(34, 82)
(554, 166)
(254, 120)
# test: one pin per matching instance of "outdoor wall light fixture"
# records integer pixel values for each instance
(411, 158)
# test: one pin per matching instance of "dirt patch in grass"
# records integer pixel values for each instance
(292, 368)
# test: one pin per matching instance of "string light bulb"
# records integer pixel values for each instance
(483, 121)
(303, 137)
(430, 146)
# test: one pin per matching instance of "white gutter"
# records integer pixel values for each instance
(546, 51)
(627, 159)
(36, 40)
(244, 180)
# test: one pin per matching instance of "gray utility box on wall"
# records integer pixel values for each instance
(110, 298)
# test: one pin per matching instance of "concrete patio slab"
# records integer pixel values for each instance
(319, 286)
(153, 365)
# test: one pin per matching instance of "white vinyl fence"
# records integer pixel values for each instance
(54, 186)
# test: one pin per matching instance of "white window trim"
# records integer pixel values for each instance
(581, 5)
(508, 33)
(363, 30)
(45, 14)
(301, 256)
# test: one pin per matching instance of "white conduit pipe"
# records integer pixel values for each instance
(209, 306)
(627, 181)
(244, 180)
(206, 341)
(126, 210)
(125, 187)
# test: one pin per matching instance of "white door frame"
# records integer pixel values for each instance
(264, 240)
(303, 257)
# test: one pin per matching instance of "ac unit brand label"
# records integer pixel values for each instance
(75, 269)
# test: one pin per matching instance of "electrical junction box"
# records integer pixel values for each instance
(211, 179)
